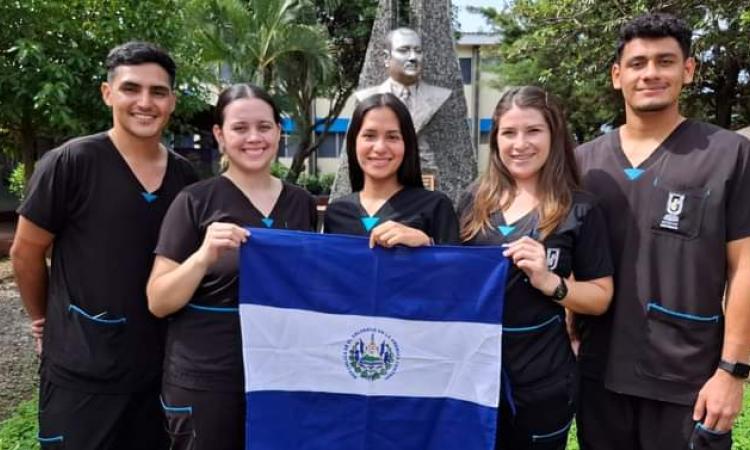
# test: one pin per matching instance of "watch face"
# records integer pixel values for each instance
(742, 370)
(561, 291)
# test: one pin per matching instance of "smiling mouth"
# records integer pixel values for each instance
(524, 157)
(143, 117)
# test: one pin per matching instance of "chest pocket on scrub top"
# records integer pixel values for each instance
(677, 211)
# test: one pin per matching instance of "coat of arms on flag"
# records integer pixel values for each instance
(347, 347)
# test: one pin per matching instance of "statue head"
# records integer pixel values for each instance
(403, 58)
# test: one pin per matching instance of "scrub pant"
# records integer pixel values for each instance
(204, 420)
(70, 419)
(537, 417)
(608, 420)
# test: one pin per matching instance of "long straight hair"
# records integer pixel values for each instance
(558, 177)
(409, 172)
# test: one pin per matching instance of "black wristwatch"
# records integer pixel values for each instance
(560, 291)
(736, 369)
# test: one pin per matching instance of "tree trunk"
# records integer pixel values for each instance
(28, 144)
(304, 149)
(726, 92)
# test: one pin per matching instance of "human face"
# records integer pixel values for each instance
(404, 60)
(523, 140)
(141, 99)
(249, 136)
(380, 145)
(651, 73)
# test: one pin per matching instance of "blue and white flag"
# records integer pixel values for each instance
(352, 348)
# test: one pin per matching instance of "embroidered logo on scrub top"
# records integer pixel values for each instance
(369, 222)
(675, 204)
(553, 257)
(149, 197)
(633, 173)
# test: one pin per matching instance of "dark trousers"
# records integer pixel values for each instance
(204, 420)
(539, 417)
(607, 420)
(70, 419)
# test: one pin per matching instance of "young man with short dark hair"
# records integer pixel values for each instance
(664, 369)
(98, 202)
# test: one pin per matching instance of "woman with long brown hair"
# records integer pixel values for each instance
(529, 201)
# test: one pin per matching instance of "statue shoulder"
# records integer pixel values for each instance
(372, 90)
(440, 94)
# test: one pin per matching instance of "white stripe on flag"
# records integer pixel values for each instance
(300, 350)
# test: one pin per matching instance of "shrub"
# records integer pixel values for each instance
(17, 181)
(326, 182)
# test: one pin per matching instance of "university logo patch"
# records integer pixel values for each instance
(553, 257)
(371, 354)
(675, 205)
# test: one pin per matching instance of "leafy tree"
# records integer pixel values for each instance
(299, 50)
(51, 64)
(348, 24)
(568, 47)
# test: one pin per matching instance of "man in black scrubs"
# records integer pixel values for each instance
(98, 201)
(664, 369)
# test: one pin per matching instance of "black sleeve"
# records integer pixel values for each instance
(49, 196)
(329, 219)
(180, 235)
(592, 258)
(738, 214)
(313, 213)
(444, 222)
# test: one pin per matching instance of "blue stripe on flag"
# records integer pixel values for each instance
(342, 275)
(289, 420)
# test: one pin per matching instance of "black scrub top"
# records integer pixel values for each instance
(99, 336)
(428, 211)
(204, 343)
(670, 220)
(535, 342)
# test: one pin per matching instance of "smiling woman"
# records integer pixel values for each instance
(389, 202)
(529, 202)
(194, 279)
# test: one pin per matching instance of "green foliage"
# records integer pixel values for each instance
(326, 182)
(279, 170)
(253, 37)
(567, 46)
(17, 181)
(19, 431)
(52, 61)
(310, 182)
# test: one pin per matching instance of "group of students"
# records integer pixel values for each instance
(656, 204)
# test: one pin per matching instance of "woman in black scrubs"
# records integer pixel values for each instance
(194, 281)
(529, 202)
(389, 202)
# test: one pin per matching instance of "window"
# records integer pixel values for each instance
(331, 146)
(466, 73)
(288, 145)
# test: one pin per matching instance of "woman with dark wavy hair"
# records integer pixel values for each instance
(529, 201)
(389, 202)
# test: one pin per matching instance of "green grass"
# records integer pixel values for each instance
(19, 431)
